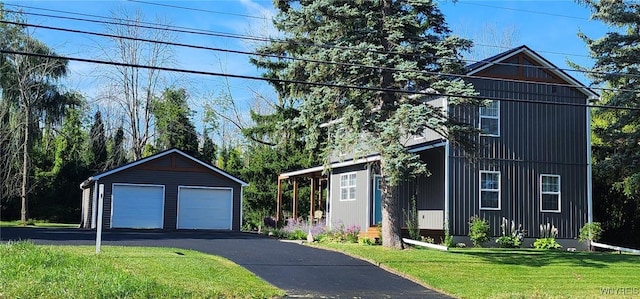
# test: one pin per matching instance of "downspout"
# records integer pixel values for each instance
(94, 204)
(369, 199)
(241, 215)
(589, 167)
(329, 199)
(446, 174)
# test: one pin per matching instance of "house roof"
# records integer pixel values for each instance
(159, 155)
(498, 58)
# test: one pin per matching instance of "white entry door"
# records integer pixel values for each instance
(205, 208)
(137, 206)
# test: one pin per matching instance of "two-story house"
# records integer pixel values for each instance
(532, 164)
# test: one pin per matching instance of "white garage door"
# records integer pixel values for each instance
(204, 208)
(137, 206)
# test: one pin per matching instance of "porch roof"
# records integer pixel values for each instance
(320, 171)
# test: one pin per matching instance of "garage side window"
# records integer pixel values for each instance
(550, 193)
(348, 186)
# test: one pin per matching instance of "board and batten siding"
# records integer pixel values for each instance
(171, 181)
(535, 139)
(351, 212)
(428, 190)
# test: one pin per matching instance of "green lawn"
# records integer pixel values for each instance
(38, 223)
(501, 273)
(33, 271)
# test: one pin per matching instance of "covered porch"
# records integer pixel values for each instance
(318, 204)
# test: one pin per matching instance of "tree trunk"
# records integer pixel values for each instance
(24, 211)
(391, 218)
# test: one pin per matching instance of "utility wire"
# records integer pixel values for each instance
(198, 9)
(334, 85)
(305, 59)
(523, 10)
(191, 30)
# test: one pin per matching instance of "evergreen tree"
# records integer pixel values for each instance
(173, 126)
(117, 152)
(208, 150)
(386, 36)
(616, 150)
(98, 143)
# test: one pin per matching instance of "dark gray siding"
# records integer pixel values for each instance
(427, 189)
(534, 139)
(171, 180)
(87, 207)
(352, 212)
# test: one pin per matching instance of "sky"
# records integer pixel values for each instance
(548, 27)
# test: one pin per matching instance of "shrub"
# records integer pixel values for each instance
(478, 231)
(546, 243)
(297, 235)
(590, 232)
(511, 237)
(448, 238)
(548, 235)
(341, 234)
(411, 218)
(254, 219)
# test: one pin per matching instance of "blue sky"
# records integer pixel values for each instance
(549, 27)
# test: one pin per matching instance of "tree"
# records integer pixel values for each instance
(98, 143)
(135, 88)
(387, 36)
(29, 89)
(117, 153)
(616, 149)
(173, 126)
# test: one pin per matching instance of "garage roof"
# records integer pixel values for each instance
(159, 155)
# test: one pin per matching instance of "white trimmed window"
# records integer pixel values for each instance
(490, 190)
(490, 119)
(348, 186)
(550, 193)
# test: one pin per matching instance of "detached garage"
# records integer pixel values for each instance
(169, 190)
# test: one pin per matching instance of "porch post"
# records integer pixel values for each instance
(279, 204)
(295, 198)
(312, 198)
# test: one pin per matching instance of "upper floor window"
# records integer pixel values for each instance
(490, 190)
(348, 186)
(550, 193)
(490, 119)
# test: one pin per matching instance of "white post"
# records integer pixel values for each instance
(100, 211)
(589, 167)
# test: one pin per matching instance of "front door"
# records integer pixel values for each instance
(377, 200)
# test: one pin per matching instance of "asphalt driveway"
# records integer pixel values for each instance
(301, 271)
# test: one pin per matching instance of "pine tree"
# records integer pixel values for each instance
(98, 143)
(173, 126)
(616, 148)
(386, 36)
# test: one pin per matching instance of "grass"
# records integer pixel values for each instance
(33, 271)
(502, 273)
(37, 223)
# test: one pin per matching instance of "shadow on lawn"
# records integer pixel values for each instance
(538, 258)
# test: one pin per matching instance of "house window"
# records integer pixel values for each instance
(550, 193)
(490, 190)
(490, 119)
(348, 186)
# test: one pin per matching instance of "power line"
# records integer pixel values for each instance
(323, 84)
(277, 56)
(524, 10)
(302, 59)
(191, 30)
(198, 9)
